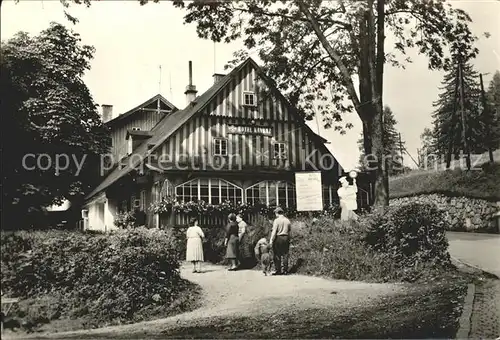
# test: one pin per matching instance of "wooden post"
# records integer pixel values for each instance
(486, 118)
(411, 157)
(453, 118)
(401, 151)
(159, 88)
(462, 110)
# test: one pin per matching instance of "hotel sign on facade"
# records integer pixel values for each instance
(249, 130)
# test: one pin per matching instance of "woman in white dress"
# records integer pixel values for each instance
(194, 248)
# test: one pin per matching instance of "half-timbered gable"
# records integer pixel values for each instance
(232, 132)
(141, 118)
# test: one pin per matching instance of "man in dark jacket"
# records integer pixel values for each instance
(280, 242)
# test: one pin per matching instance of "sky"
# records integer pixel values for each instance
(133, 41)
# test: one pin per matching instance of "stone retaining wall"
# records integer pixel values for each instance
(469, 214)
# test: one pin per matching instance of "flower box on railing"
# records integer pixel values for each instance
(202, 208)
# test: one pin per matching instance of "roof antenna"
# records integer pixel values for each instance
(214, 57)
(159, 83)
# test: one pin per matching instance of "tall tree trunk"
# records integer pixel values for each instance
(365, 91)
(365, 111)
(375, 28)
(370, 111)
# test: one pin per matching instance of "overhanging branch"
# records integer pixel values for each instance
(332, 53)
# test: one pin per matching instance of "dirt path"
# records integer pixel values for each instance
(249, 292)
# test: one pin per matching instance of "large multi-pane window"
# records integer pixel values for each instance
(272, 193)
(210, 190)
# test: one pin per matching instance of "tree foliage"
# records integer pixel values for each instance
(47, 109)
(318, 50)
(493, 97)
(447, 115)
(427, 155)
(392, 146)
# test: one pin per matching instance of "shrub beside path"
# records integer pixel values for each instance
(248, 293)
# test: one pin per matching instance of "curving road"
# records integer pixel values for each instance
(479, 250)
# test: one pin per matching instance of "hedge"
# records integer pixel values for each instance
(110, 278)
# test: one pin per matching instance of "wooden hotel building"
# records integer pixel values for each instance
(240, 141)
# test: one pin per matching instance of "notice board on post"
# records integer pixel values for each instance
(308, 190)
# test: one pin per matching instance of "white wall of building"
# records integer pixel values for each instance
(101, 214)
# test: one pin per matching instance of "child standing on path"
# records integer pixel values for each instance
(194, 248)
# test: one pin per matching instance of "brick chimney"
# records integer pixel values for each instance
(190, 89)
(107, 112)
(217, 77)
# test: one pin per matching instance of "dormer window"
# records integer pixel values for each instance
(249, 98)
(279, 150)
(220, 147)
(135, 128)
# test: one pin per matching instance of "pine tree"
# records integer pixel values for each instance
(448, 130)
(392, 149)
(493, 97)
(427, 154)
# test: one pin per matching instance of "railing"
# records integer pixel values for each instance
(181, 219)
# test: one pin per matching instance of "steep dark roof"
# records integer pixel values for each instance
(164, 129)
(146, 103)
(139, 133)
(167, 126)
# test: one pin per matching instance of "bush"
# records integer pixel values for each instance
(336, 249)
(412, 234)
(105, 277)
(405, 244)
(125, 220)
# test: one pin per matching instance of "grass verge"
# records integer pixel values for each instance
(480, 183)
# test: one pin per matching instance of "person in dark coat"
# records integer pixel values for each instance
(280, 242)
(245, 243)
(232, 241)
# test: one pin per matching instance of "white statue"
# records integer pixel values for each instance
(348, 198)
